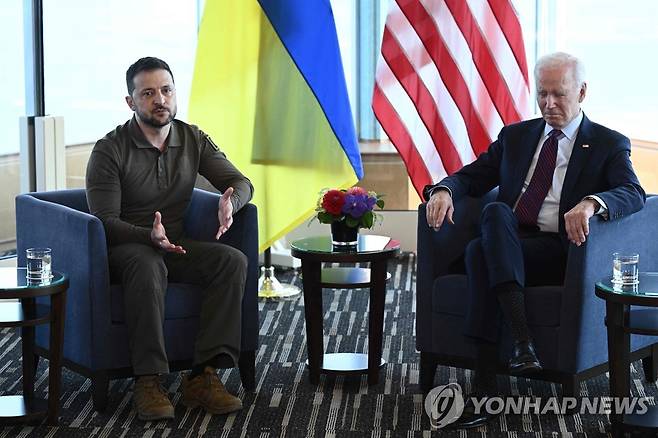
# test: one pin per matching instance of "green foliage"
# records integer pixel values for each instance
(325, 218)
(367, 219)
(351, 222)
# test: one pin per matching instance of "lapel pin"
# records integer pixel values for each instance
(585, 145)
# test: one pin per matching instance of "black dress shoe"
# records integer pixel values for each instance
(524, 359)
(469, 418)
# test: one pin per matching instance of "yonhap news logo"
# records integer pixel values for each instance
(444, 405)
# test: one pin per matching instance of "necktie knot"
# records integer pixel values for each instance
(555, 133)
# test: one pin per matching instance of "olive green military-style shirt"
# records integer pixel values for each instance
(128, 180)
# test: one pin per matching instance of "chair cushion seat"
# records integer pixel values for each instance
(450, 295)
(181, 301)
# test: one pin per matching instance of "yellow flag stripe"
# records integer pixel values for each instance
(249, 96)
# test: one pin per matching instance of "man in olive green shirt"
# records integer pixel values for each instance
(140, 179)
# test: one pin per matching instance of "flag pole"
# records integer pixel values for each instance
(268, 286)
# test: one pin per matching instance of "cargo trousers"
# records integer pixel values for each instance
(144, 272)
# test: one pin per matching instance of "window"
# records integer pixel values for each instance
(616, 41)
(89, 46)
(12, 76)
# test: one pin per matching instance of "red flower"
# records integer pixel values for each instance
(333, 201)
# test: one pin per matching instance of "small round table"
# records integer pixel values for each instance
(27, 314)
(372, 249)
(622, 321)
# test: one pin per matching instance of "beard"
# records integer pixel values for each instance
(151, 120)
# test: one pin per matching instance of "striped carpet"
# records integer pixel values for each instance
(285, 404)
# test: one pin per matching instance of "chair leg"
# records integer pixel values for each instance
(36, 364)
(571, 386)
(650, 365)
(247, 365)
(428, 363)
(99, 386)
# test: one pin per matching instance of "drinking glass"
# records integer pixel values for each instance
(625, 268)
(39, 262)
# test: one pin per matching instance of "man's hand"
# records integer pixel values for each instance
(576, 220)
(225, 212)
(159, 237)
(438, 208)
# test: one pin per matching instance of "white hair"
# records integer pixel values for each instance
(559, 59)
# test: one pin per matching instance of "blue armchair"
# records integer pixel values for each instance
(566, 322)
(96, 338)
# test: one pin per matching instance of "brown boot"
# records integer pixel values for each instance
(207, 391)
(150, 399)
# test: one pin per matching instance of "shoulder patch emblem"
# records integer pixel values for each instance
(212, 143)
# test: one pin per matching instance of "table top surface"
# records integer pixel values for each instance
(367, 244)
(647, 288)
(15, 280)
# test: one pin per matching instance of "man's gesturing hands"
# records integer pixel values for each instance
(225, 212)
(159, 237)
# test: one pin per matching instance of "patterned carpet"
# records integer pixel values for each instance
(285, 404)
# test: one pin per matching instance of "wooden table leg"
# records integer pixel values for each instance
(27, 342)
(618, 358)
(57, 309)
(311, 273)
(376, 318)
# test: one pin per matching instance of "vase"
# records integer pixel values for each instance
(342, 235)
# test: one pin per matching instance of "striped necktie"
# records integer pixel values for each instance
(532, 199)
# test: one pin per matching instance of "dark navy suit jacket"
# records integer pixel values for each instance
(599, 165)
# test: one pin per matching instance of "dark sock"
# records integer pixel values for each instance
(222, 360)
(145, 375)
(484, 381)
(197, 370)
(512, 303)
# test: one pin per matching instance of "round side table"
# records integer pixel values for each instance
(27, 314)
(313, 251)
(622, 321)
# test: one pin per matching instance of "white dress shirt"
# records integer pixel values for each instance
(548, 218)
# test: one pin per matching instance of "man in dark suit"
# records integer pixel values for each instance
(553, 174)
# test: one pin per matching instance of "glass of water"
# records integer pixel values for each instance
(39, 262)
(625, 268)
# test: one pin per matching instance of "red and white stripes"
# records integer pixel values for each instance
(451, 74)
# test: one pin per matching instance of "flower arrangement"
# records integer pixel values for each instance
(354, 206)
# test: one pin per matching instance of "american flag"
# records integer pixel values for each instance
(451, 75)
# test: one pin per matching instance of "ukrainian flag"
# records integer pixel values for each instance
(269, 88)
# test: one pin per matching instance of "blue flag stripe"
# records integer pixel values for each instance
(307, 30)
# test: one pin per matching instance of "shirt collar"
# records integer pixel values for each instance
(173, 139)
(570, 130)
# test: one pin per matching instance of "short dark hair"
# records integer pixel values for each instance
(148, 63)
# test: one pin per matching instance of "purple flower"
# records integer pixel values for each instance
(357, 204)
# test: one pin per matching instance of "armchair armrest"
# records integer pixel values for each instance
(437, 250)
(582, 311)
(79, 249)
(201, 223)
